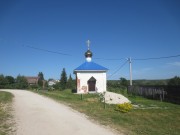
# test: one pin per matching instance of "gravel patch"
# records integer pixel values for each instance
(114, 98)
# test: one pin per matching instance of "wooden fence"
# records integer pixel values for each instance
(163, 93)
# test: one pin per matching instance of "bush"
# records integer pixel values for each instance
(174, 81)
(32, 87)
(125, 107)
(101, 96)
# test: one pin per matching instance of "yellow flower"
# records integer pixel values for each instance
(125, 107)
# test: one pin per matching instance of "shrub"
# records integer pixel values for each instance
(125, 107)
(101, 96)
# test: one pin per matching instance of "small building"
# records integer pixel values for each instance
(32, 80)
(90, 76)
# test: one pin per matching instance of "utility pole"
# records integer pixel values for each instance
(130, 70)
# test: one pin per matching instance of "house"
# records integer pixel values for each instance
(52, 82)
(32, 80)
(90, 76)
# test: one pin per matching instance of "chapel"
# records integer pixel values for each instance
(90, 76)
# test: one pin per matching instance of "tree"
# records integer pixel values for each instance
(70, 82)
(174, 81)
(123, 82)
(10, 79)
(41, 78)
(21, 82)
(63, 79)
(3, 81)
(57, 86)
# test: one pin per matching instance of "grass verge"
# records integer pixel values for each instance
(5, 115)
(148, 117)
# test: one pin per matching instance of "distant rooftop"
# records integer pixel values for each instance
(32, 79)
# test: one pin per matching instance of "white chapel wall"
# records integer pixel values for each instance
(83, 78)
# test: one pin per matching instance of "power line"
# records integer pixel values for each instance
(45, 50)
(155, 58)
(151, 58)
(109, 59)
(118, 69)
(40, 49)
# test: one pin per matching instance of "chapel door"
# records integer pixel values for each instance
(92, 84)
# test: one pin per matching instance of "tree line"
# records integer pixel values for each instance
(122, 84)
(9, 82)
(21, 82)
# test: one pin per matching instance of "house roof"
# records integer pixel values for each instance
(32, 80)
(90, 66)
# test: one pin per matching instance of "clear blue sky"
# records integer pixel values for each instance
(116, 28)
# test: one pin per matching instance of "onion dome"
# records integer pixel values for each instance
(88, 53)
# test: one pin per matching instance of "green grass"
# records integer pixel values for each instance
(5, 116)
(149, 117)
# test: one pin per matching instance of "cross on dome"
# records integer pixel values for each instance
(88, 43)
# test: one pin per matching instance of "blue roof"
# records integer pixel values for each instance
(88, 66)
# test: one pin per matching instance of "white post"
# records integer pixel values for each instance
(130, 70)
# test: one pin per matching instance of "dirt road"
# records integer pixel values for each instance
(38, 115)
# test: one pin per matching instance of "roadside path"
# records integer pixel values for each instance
(38, 115)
